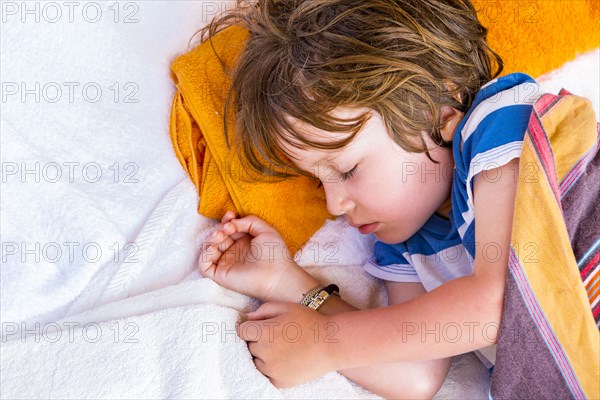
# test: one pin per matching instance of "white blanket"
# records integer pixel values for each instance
(99, 222)
(180, 341)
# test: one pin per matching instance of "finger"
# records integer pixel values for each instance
(251, 224)
(253, 348)
(230, 230)
(206, 262)
(221, 240)
(268, 310)
(273, 381)
(229, 215)
(250, 331)
(260, 365)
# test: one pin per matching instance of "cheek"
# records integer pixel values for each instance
(386, 198)
(419, 187)
(389, 187)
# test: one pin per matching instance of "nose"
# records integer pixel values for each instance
(338, 201)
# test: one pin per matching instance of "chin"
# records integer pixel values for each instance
(392, 238)
(396, 233)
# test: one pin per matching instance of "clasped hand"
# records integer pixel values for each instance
(249, 256)
(290, 343)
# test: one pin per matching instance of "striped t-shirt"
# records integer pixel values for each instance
(489, 135)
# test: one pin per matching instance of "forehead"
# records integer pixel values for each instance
(312, 155)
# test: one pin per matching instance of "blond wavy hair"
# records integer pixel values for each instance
(404, 59)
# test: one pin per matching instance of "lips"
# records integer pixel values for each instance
(363, 228)
(367, 228)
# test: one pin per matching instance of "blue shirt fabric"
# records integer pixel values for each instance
(488, 136)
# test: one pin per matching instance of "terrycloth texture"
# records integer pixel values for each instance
(126, 142)
(548, 344)
(536, 37)
(295, 207)
(180, 342)
(523, 33)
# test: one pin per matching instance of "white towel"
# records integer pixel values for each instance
(180, 341)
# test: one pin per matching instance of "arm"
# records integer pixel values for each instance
(402, 380)
(402, 292)
(457, 317)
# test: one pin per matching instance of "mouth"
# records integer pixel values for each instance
(366, 228)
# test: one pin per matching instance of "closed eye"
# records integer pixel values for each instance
(347, 175)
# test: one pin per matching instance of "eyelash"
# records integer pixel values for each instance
(344, 176)
(347, 175)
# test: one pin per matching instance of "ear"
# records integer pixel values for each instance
(446, 114)
(451, 86)
(449, 119)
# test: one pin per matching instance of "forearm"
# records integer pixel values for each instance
(302, 283)
(457, 317)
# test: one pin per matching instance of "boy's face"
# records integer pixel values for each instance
(397, 190)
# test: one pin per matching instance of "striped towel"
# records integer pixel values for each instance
(548, 340)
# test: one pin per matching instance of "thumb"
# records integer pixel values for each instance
(252, 224)
(268, 310)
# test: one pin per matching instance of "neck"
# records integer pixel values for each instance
(445, 208)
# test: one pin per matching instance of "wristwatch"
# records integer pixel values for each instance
(316, 297)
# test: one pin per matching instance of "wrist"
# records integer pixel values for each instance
(293, 285)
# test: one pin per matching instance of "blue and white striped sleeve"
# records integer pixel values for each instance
(493, 134)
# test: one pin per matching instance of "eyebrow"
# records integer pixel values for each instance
(326, 159)
(329, 159)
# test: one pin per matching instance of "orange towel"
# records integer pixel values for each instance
(536, 37)
(295, 207)
(532, 37)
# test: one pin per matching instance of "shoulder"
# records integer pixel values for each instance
(491, 133)
(499, 114)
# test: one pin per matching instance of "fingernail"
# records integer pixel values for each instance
(226, 226)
